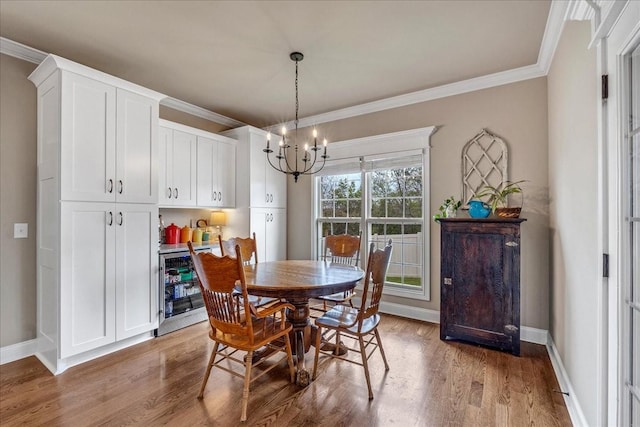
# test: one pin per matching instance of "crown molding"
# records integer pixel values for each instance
(20, 51)
(580, 10)
(194, 110)
(552, 32)
(471, 85)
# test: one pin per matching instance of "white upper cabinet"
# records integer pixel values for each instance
(216, 172)
(177, 177)
(261, 185)
(107, 142)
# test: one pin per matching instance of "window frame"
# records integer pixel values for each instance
(411, 142)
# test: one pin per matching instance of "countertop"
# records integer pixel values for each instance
(182, 247)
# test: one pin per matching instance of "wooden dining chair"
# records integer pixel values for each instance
(359, 324)
(342, 249)
(248, 248)
(232, 330)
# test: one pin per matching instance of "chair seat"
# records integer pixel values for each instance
(338, 297)
(264, 331)
(345, 318)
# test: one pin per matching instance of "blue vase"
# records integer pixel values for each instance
(478, 209)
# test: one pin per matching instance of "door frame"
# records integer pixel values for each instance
(617, 40)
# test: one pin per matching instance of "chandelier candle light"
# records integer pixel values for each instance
(290, 166)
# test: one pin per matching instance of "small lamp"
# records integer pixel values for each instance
(218, 219)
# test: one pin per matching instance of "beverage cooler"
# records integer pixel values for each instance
(181, 302)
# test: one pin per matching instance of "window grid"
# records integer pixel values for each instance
(394, 208)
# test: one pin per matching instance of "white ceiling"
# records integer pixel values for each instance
(232, 57)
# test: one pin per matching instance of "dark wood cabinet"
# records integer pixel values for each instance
(480, 281)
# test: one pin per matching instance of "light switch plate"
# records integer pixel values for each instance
(20, 230)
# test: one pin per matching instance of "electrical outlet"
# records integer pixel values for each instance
(20, 230)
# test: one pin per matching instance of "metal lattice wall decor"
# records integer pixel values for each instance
(484, 162)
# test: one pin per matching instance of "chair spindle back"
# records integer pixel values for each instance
(343, 248)
(248, 248)
(377, 266)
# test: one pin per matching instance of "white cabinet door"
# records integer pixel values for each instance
(216, 173)
(182, 159)
(136, 148)
(276, 243)
(88, 139)
(136, 231)
(271, 233)
(205, 172)
(87, 276)
(165, 145)
(268, 185)
(226, 173)
(177, 169)
(258, 171)
(276, 188)
(258, 225)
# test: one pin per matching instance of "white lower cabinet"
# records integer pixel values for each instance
(270, 226)
(108, 274)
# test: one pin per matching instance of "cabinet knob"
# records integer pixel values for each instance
(447, 281)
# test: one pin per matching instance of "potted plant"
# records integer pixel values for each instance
(448, 208)
(499, 198)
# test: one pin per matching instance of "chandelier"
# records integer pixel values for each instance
(288, 162)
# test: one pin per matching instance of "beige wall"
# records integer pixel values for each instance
(17, 201)
(573, 174)
(517, 113)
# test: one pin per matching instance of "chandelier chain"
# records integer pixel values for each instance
(297, 102)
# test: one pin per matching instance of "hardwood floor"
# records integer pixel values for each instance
(430, 383)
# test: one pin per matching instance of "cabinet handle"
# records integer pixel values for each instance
(121, 218)
(110, 218)
(121, 186)
(110, 190)
(271, 198)
(447, 281)
(169, 188)
(175, 193)
(219, 196)
(267, 198)
(215, 196)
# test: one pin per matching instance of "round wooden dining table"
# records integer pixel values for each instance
(297, 281)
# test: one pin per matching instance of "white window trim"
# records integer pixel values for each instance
(414, 139)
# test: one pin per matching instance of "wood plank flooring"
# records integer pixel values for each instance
(430, 383)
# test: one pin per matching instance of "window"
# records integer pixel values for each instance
(382, 194)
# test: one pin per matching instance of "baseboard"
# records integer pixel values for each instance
(18, 351)
(573, 406)
(417, 313)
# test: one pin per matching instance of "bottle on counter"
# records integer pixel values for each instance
(161, 235)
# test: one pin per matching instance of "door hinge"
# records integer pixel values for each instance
(605, 265)
(605, 86)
